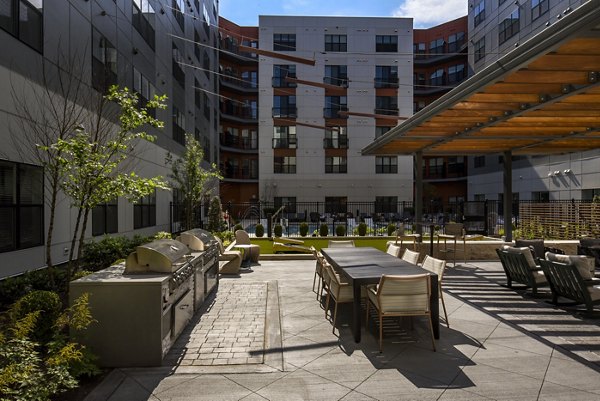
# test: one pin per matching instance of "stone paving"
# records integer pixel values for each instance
(502, 344)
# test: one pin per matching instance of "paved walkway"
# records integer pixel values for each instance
(501, 345)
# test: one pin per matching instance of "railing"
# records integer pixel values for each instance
(233, 141)
(279, 112)
(335, 143)
(332, 112)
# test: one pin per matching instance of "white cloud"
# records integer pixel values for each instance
(427, 13)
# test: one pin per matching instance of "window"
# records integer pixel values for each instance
(334, 104)
(419, 80)
(178, 6)
(206, 19)
(105, 219)
(436, 166)
(24, 20)
(538, 8)
(178, 126)
(386, 76)
(419, 50)
(336, 165)
(206, 64)
(249, 79)
(336, 204)
(21, 206)
(386, 164)
(379, 131)
(144, 88)
(197, 94)
(335, 138)
(284, 165)
(143, 20)
(285, 42)
(284, 137)
(207, 106)
(455, 41)
(456, 165)
(479, 49)
(284, 106)
(387, 105)
(104, 62)
(386, 43)
(336, 43)
(540, 196)
(144, 212)
(590, 194)
(479, 13)
(509, 27)
(386, 204)
(479, 161)
(456, 73)
(178, 73)
(436, 46)
(437, 77)
(288, 201)
(280, 72)
(336, 75)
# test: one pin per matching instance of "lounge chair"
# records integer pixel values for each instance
(229, 261)
(537, 246)
(590, 247)
(519, 266)
(242, 238)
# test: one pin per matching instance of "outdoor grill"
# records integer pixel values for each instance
(204, 246)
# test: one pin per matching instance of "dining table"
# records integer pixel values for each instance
(362, 266)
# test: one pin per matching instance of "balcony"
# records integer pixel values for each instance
(332, 112)
(336, 81)
(280, 82)
(285, 112)
(238, 173)
(388, 111)
(232, 52)
(236, 142)
(335, 143)
(285, 143)
(390, 82)
(235, 82)
(235, 111)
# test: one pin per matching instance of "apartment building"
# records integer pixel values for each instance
(147, 45)
(315, 117)
(495, 28)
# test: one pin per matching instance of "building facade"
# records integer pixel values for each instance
(140, 44)
(314, 119)
(495, 28)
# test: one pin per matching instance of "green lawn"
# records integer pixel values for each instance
(266, 244)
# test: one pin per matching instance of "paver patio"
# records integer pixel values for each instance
(501, 345)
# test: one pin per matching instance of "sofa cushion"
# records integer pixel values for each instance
(584, 264)
(525, 251)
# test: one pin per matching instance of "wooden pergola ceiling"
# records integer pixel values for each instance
(547, 105)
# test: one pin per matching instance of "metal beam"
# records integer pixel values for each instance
(281, 56)
(508, 200)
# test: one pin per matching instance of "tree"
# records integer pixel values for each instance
(92, 163)
(191, 180)
(215, 215)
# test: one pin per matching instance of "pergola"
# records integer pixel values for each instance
(541, 98)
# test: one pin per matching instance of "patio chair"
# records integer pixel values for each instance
(519, 266)
(339, 291)
(437, 266)
(341, 243)
(318, 276)
(242, 238)
(230, 262)
(566, 281)
(453, 232)
(590, 247)
(537, 246)
(400, 296)
(402, 236)
(410, 256)
(393, 250)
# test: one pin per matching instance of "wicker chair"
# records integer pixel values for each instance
(338, 291)
(393, 250)
(437, 266)
(410, 256)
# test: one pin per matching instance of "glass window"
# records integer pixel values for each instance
(436, 46)
(284, 137)
(178, 126)
(177, 60)
(437, 77)
(143, 20)
(334, 104)
(336, 204)
(540, 196)
(144, 212)
(280, 72)
(386, 43)
(455, 41)
(456, 73)
(479, 161)
(419, 50)
(284, 106)
(336, 43)
(104, 62)
(178, 7)
(23, 19)
(288, 201)
(336, 165)
(379, 131)
(479, 49)
(335, 138)
(284, 165)
(336, 75)
(386, 204)
(285, 42)
(479, 13)
(386, 76)
(21, 206)
(105, 219)
(386, 164)
(538, 8)
(509, 27)
(387, 105)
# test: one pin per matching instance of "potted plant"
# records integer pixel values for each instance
(259, 230)
(278, 230)
(304, 229)
(340, 231)
(390, 229)
(323, 230)
(362, 229)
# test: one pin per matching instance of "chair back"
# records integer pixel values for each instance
(434, 265)
(565, 280)
(242, 237)
(221, 247)
(536, 245)
(408, 294)
(456, 229)
(410, 256)
(393, 250)
(329, 276)
(341, 244)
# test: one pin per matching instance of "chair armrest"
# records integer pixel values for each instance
(554, 250)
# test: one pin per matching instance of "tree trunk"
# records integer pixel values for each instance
(73, 243)
(49, 234)
(86, 215)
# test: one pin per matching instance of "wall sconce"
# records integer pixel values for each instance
(567, 171)
(550, 174)
(557, 172)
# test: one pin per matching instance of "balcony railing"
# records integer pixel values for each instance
(390, 82)
(283, 112)
(238, 173)
(332, 112)
(335, 143)
(238, 81)
(285, 143)
(233, 141)
(388, 111)
(280, 82)
(235, 110)
(232, 47)
(337, 81)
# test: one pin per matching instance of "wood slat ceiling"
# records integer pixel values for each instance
(550, 105)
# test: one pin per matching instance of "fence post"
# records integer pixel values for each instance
(486, 221)
(269, 232)
(170, 217)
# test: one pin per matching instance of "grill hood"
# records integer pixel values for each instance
(160, 256)
(198, 239)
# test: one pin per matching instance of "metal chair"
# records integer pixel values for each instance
(437, 266)
(453, 232)
(339, 291)
(410, 256)
(393, 250)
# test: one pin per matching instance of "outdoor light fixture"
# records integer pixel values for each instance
(557, 172)
(592, 77)
(567, 171)
(550, 174)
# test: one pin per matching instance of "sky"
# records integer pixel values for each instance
(426, 13)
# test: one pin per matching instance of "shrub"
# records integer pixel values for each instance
(390, 229)
(278, 230)
(340, 231)
(362, 229)
(46, 302)
(215, 215)
(259, 230)
(162, 235)
(304, 229)
(98, 255)
(237, 227)
(323, 230)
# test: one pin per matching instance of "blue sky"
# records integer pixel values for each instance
(426, 13)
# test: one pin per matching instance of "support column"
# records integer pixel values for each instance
(508, 199)
(418, 199)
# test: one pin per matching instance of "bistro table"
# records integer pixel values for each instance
(366, 265)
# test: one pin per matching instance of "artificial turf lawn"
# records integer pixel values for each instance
(266, 244)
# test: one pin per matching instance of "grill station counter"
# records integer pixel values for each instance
(141, 306)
